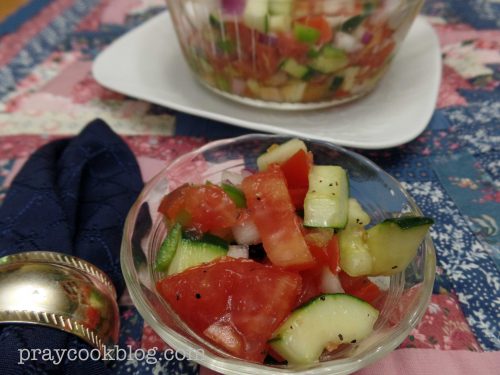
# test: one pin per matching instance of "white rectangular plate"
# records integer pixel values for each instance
(147, 63)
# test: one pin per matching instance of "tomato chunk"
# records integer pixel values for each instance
(206, 208)
(321, 24)
(274, 215)
(236, 303)
(296, 171)
(360, 287)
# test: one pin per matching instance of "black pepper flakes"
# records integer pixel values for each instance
(197, 295)
(353, 342)
(322, 298)
(177, 296)
(341, 338)
(394, 267)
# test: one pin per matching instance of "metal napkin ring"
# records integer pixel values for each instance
(59, 291)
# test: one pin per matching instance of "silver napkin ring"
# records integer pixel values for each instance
(59, 291)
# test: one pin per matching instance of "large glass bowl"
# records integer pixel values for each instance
(291, 54)
(405, 297)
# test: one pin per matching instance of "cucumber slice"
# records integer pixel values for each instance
(292, 67)
(330, 60)
(326, 202)
(280, 7)
(168, 248)
(327, 320)
(193, 253)
(355, 257)
(279, 23)
(294, 91)
(393, 243)
(280, 153)
(255, 15)
(350, 78)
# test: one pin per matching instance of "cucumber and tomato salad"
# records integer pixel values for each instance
(295, 51)
(310, 291)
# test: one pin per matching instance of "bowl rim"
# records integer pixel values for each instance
(233, 365)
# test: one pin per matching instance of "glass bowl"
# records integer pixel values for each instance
(406, 294)
(291, 54)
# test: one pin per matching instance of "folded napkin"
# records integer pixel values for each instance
(71, 196)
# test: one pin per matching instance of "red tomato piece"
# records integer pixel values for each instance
(173, 203)
(296, 169)
(288, 46)
(93, 317)
(206, 208)
(273, 213)
(321, 24)
(236, 303)
(360, 287)
(311, 284)
(239, 33)
(324, 246)
(333, 252)
(266, 60)
(298, 195)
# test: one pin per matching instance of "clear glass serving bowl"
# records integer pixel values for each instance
(406, 294)
(291, 54)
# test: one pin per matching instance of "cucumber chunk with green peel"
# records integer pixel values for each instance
(326, 202)
(325, 321)
(393, 243)
(292, 67)
(280, 7)
(279, 23)
(191, 253)
(280, 153)
(255, 15)
(355, 257)
(168, 248)
(294, 91)
(330, 60)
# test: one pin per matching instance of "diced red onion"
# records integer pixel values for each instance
(238, 251)
(233, 6)
(367, 37)
(269, 40)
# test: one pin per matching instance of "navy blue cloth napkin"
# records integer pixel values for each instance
(71, 196)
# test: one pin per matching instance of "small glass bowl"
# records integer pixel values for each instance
(406, 295)
(291, 54)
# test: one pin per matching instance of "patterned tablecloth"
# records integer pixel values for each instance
(452, 169)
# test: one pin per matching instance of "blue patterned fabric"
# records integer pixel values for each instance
(43, 44)
(20, 16)
(71, 196)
